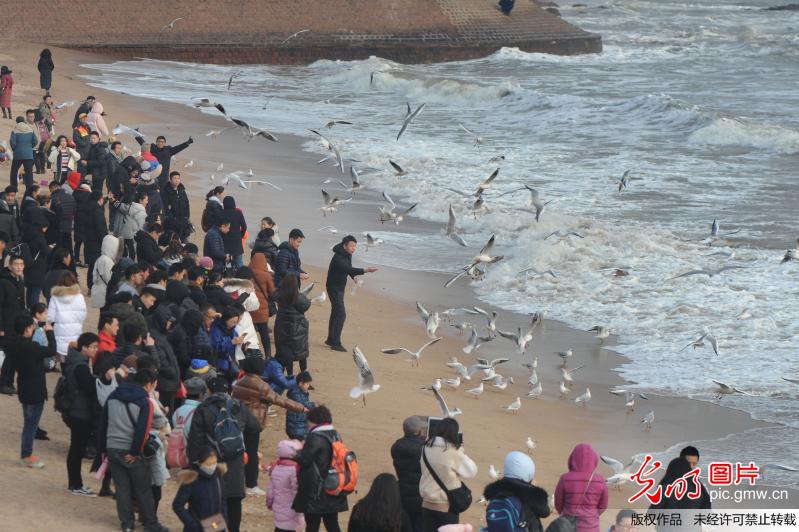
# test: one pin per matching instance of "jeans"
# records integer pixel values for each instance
(337, 316)
(263, 333)
(252, 440)
(31, 414)
(238, 260)
(133, 482)
(27, 165)
(78, 245)
(79, 433)
(233, 514)
(32, 295)
(312, 522)
(432, 520)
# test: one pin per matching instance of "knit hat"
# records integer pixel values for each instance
(288, 448)
(195, 386)
(83, 115)
(519, 466)
(199, 365)
(207, 263)
(73, 178)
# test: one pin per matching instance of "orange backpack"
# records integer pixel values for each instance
(342, 475)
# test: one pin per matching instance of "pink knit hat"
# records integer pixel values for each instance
(288, 448)
(207, 263)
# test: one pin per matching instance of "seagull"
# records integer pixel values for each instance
(561, 235)
(476, 391)
(307, 290)
(530, 444)
(366, 381)
(485, 254)
(515, 406)
(387, 213)
(700, 342)
(451, 231)
(791, 254)
(564, 390)
(475, 342)
(566, 374)
(565, 355)
(189, 164)
(584, 398)
(478, 207)
(532, 380)
(295, 34)
(629, 398)
(620, 473)
(485, 184)
(63, 105)
(490, 318)
(649, 418)
(409, 118)
(206, 102)
(794, 381)
(171, 25)
(536, 391)
(330, 123)
(399, 170)
(521, 340)
(489, 366)
(372, 242)
(537, 202)
(501, 384)
(445, 410)
(123, 129)
(537, 274)
(416, 356)
(459, 311)
(452, 383)
(431, 321)
(235, 178)
(462, 326)
(493, 474)
(464, 372)
(326, 144)
(252, 132)
(477, 139)
(726, 389)
(472, 271)
(356, 180)
(714, 231)
(220, 167)
(745, 314)
(624, 179)
(232, 77)
(331, 204)
(708, 272)
(600, 332)
(321, 298)
(435, 386)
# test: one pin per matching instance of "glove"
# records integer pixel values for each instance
(191, 140)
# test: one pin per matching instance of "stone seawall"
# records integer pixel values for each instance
(254, 31)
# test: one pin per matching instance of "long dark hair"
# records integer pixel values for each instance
(289, 289)
(676, 469)
(447, 429)
(381, 508)
(46, 54)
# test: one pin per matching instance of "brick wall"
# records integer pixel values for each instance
(251, 31)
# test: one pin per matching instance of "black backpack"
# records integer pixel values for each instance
(64, 395)
(227, 437)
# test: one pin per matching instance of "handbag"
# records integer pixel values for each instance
(459, 499)
(151, 446)
(216, 522)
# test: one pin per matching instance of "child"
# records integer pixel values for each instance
(201, 489)
(297, 424)
(39, 336)
(275, 377)
(283, 487)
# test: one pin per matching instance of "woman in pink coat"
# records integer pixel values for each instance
(581, 492)
(96, 121)
(283, 487)
(6, 89)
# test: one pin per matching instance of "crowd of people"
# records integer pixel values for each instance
(181, 372)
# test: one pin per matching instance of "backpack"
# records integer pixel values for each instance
(505, 514)
(64, 395)
(23, 250)
(227, 439)
(342, 475)
(176, 443)
(205, 223)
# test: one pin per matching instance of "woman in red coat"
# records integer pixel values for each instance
(6, 85)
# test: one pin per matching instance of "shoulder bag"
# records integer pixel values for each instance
(568, 523)
(459, 499)
(216, 522)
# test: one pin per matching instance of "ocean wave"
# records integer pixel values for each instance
(737, 132)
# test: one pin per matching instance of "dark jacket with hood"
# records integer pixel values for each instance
(100, 163)
(82, 212)
(288, 261)
(297, 422)
(8, 222)
(36, 270)
(214, 247)
(177, 209)
(164, 156)
(181, 338)
(12, 299)
(202, 433)
(214, 210)
(26, 358)
(291, 330)
(313, 459)
(676, 469)
(267, 247)
(340, 268)
(238, 226)
(95, 227)
(81, 382)
(63, 204)
(203, 495)
(217, 297)
(407, 455)
(168, 368)
(532, 498)
(147, 249)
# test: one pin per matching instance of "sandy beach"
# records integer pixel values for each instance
(380, 314)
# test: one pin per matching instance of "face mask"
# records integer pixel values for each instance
(208, 470)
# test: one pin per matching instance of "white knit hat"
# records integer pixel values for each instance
(519, 466)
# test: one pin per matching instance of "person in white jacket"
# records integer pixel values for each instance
(66, 311)
(444, 454)
(135, 216)
(237, 288)
(63, 158)
(101, 275)
(96, 121)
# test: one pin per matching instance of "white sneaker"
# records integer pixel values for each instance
(84, 491)
(255, 492)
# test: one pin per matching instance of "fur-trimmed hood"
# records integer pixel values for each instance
(237, 285)
(187, 476)
(61, 291)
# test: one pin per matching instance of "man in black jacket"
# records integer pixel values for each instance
(177, 210)
(26, 357)
(12, 304)
(407, 455)
(84, 108)
(340, 268)
(94, 231)
(100, 164)
(147, 249)
(164, 155)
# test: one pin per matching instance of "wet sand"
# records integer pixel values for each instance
(380, 314)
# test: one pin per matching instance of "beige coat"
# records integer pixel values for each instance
(451, 465)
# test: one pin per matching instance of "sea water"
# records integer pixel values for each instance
(698, 100)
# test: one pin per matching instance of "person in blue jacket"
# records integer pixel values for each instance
(225, 338)
(274, 375)
(288, 258)
(297, 423)
(214, 244)
(22, 141)
(200, 493)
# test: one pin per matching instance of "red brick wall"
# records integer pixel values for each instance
(250, 31)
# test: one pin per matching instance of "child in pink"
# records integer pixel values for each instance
(283, 487)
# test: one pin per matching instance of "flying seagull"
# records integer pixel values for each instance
(295, 34)
(416, 356)
(452, 231)
(331, 204)
(700, 342)
(366, 380)
(171, 25)
(330, 123)
(431, 321)
(232, 77)
(252, 132)
(206, 102)
(621, 474)
(726, 389)
(475, 341)
(477, 139)
(123, 129)
(491, 319)
(445, 410)
(708, 272)
(398, 169)
(409, 118)
(387, 213)
(521, 340)
(372, 242)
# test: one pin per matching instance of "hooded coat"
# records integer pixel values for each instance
(81, 380)
(263, 286)
(63, 205)
(26, 358)
(340, 268)
(95, 228)
(236, 288)
(283, 487)
(177, 209)
(82, 212)
(168, 367)
(8, 222)
(291, 331)
(66, 311)
(45, 67)
(532, 498)
(23, 141)
(101, 275)
(147, 249)
(203, 495)
(100, 164)
(133, 221)
(314, 458)
(214, 247)
(406, 454)
(297, 421)
(116, 431)
(36, 270)
(213, 211)
(238, 226)
(96, 121)
(581, 492)
(266, 247)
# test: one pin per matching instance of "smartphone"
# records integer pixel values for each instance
(432, 423)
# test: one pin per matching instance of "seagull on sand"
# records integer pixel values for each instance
(293, 35)
(416, 356)
(387, 213)
(791, 254)
(649, 419)
(700, 342)
(445, 410)
(501, 383)
(321, 298)
(435, 386)
(409, 118)
(629, 398)
(566, 374)
(331, 204)
(477, 139)
(207, 102)
(536, 391)
(522, 340)
(530, 444)
(600, 332)
(220, 167)
(564, 390)
(727, 389)
(476, 391)
(452, 383)
(533, 379)
(515, 406)
(709, 272)
(565, 355)
(431, 321)
(584, 398)
(621, 474)
(399, 171)
(366, 381)
(171, 25)
(452, 231)
(493, 474)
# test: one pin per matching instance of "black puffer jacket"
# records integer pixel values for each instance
(95, 228)
(177, 209)
(267, 247)
(407, 455)
(82, 212)
(314, 458)
(340, 268)
(37, 244)
(238, 226)
(291, 330)
(168, 368)
(147, 249)
(63, 205)
(533, 499)
(99, 164)
(12, 299)
(26, 357)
